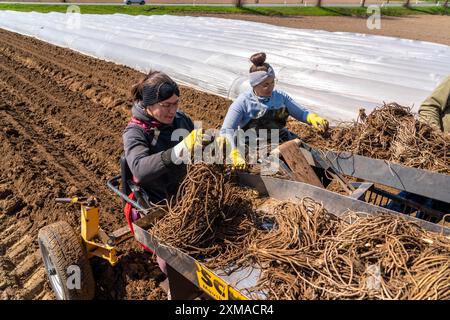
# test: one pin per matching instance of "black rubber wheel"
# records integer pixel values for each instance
(142, 3)
(66, 263)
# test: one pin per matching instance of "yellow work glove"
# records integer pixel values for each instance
(317, 122)
(194, 139)
(237, 160)
(184, 148)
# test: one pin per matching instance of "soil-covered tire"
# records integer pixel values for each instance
(65, 259)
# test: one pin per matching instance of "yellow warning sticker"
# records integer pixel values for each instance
(216, 287)
(233, 294)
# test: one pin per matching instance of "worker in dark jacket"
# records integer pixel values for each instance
(152, 153)
(152, 150)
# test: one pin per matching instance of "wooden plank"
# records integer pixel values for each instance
(347, 186)
(120, 235)
(361, 191)
(297, 162)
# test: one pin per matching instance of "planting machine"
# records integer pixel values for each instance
(66, 255)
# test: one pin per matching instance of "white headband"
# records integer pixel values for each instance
(259, 76)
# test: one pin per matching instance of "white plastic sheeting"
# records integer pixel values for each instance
(331, 73)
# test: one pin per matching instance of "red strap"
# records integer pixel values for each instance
(127, 211)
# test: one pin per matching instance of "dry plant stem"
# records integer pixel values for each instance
(390, 132)
(412, 263)
(211, 216)
(308, 253)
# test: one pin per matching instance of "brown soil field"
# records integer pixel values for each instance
(421, 27)
(61, 118)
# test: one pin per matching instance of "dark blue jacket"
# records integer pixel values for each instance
(147, 150)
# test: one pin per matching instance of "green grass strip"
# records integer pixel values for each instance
(264, 11)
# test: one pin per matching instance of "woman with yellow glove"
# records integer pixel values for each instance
(154, 159)
(157, 163)
(264, 107)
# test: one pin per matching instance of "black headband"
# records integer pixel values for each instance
(158, 93)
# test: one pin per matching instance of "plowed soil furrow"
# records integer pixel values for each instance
(104, 74)
(14, 233)
(61, 121)
(25, 207)
(35, 130)
(74, 80)
(28, 265)
(63, 104)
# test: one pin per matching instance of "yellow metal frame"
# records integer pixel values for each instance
(213, 285)
(90, 229)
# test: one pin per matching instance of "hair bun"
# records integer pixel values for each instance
(258, 59)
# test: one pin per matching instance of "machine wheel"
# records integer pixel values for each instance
(128, 3)
(64, 255)
(142, 3)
